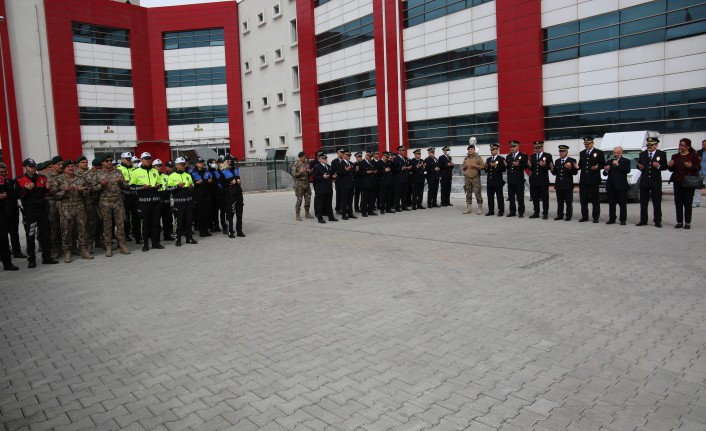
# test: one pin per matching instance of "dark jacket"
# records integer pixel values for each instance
(495, 173)
(564, 177)
(432, 163)
(516, 174)
(321, 184)
(539, 175)
(651, 176)
(587, 162)
(618, 175)
(418, 169)
(344, 177)
(679, 170)
(445, 171)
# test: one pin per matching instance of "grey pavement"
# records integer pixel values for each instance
(420, 320)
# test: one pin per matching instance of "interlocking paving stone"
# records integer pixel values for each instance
(422, 320)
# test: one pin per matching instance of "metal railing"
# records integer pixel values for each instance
(266, 175)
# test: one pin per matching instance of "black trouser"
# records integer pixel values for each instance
(495, 193)
(234, 206)
(150, 214)
(5, 255)
(356, 197)
(132, 218)
(417, 194)
(683, 198)
(445, 190)
(33, 219)
(367, 203)
(654, 193)
(401, 194)
(375, 195)
(537, 193)
(385, 200)
(322, 201)
(589, 192)
(183, 213)
(167, 221)
(619, 197)
(213, 210)
(202, 204)
(13, 221)
(564, 198)
(432, 190)
(516, 194)
(346, 200)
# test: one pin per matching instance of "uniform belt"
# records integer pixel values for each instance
(183, 200)
(149, 199)
(71, 204)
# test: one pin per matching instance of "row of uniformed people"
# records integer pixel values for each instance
(393, 182)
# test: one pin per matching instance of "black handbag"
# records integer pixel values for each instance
(692, 182)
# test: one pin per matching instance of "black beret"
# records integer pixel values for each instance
(97, 161)
(301, 154)
(56, 159)
(81, 158)
(66, 163)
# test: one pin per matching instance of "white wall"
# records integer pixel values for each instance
(453, 98)
(32, 77)
(460, 29)
(277, 120)
(346, 62)
(656, 68)
(201, 95)
(348, 115)
(89, 54)
(190, 136)
(105, 96)
(194, 58)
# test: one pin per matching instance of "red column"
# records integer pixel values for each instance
(521, 111)
(308, 86)
(9, 84)
(390, 65)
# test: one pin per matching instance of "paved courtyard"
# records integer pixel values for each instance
(421, 320)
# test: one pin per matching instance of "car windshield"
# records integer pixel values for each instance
(632, 155)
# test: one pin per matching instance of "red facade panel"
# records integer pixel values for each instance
(521, 113)
(146, 27)
(9, 85)
(308, 86)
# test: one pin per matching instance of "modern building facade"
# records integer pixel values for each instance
(87, 76)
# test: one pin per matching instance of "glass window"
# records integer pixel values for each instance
(475, 60)
(193, 38)
(195, 77)
(93, 75)
(420, 11)
(97, 116)
(197, 115)
(99, 35)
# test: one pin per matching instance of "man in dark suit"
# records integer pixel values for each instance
(516, 163)
(357, 181)
(446, 167)
(334, 167)
(368, 172)
(591, 161)
(346, 183)
(494, 168)
(617, 170)
(651, 163)
(312, 164)
(418, 168)
(384, 168)
(564, 170)
(433, 169)
(375, 192)
(540, 165)
(323, 187)
(402, 170)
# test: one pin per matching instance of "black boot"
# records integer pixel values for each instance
(8, 266)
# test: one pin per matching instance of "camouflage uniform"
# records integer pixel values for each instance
(302, 189)
(93, 215)
(72, 213)
(471, 173)
(54, 218)
(112, 208)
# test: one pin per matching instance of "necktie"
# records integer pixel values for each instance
(652, 155)
(563, 161)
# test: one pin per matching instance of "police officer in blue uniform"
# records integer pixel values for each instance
(494, 168)
(564, 170)
(516, 163)
(651, 163)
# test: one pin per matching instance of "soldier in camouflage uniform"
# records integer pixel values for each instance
(473, 164)
(94, 231)
(300, 172)
(109, 183)
(53, 173)
(71, 191)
